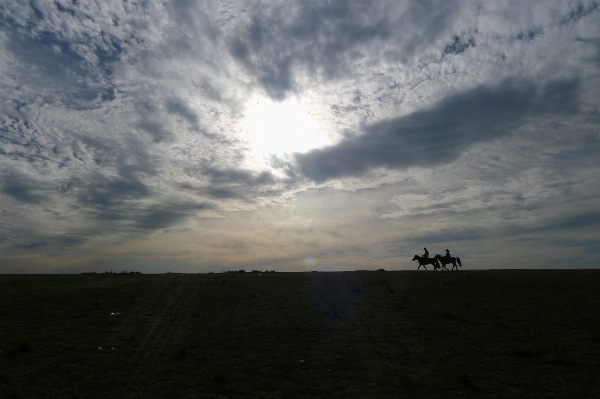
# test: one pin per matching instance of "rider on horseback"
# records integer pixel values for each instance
(426, 254)
(448, 254)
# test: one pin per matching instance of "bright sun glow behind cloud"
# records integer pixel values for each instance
(280, 128)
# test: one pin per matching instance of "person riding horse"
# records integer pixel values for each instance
(426, 254)
(444, 260)
(426, 261)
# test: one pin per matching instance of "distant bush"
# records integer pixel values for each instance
(111, 271)
(244, 271)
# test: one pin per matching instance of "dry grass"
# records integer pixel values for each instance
(492, 334)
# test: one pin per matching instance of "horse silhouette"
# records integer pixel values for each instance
(446, 261)
(426, 261)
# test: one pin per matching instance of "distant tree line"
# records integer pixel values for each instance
(253, 271)
(114, 272)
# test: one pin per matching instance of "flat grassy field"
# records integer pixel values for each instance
(375, 334)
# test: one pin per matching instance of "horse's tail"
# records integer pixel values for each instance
(458, 260)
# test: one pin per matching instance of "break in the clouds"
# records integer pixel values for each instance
(198, 136)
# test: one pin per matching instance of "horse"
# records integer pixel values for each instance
(426, 261)
(445, 261)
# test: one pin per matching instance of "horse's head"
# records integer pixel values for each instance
(437, 256)
(415, 258)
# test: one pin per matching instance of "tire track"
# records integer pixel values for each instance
(162, 336)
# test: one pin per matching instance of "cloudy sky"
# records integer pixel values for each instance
(195, 136)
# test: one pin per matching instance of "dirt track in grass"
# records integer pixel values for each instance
(493, 334)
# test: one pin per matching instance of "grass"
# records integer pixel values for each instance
(492, 334)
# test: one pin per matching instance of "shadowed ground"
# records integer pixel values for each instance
(493, 334)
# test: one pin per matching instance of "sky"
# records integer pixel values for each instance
(206, 136)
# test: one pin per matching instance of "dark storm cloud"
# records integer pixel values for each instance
(23, 189)
(152, 119)
(163, 216)
(238, 176)
(51, 241)
(117, 169)
(328, 37)
(156, 130)
(441, 134)
(459, 45)
(581, 11)
(125, 201)
(596, 44)
(178, 107)
(570, 223)
(23, 136)
(565, 227)
(76, 28)
(210, 91)
(64, 75)
(70, 240)
(30, 245)
(530, 34)
(222, 193)
(105, 192)
(216, 192)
